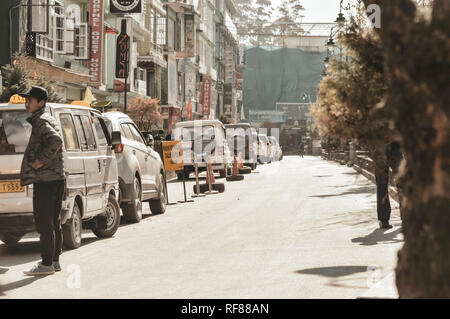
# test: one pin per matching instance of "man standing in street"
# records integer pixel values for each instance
(382, 181)
(43, 166)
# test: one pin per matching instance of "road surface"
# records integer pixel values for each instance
(299, 228)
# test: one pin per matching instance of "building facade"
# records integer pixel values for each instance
(182, 52)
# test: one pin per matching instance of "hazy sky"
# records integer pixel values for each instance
(317, 10)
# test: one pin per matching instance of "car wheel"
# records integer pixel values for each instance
(254, 165)
(11, 238)
(133, 212)
(112, 212)
(72, 229)
(158, 206)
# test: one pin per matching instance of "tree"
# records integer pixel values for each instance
(254, 22)
(145, 113)
(15, 79)
(288, 24)
(348, 97)
(50, 87)
(415, 49)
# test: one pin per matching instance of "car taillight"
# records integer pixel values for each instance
(119, 148)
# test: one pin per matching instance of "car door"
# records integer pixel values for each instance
(92, 163)
(150, 160)
(73, 156)
(109, 165)
(139, 152)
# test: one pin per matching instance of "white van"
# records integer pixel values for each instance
(203, 140)
(92, 188)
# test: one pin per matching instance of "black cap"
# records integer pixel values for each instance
(37, 92)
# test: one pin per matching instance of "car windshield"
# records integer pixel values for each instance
(190, 133)
(15, 132)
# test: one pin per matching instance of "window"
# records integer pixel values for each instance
(161, 31)
(89, 133)
(137, 136)
(59, 29)
(100, 133)
(126, 131)
(70, 36)
(45, 44)
(69, 134)
(80, 131)
(82, 41)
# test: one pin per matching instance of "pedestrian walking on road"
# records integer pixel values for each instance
(301, 148)
(382, 181)
(43, 166)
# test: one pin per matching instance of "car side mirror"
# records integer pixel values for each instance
(116, 138)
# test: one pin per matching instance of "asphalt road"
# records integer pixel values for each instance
(299, 228)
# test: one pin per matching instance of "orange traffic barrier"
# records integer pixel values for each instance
(235, 167)
(241, 164)
(235, 176)
(210, 174)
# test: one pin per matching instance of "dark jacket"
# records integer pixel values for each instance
(45, 145)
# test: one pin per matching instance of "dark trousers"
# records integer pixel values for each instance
(47, 202)
(383, 204)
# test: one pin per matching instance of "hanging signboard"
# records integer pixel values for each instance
(172, 80)
(96, 23)
(190, 32)
(206, 95)
(123, 52)
(125, 6)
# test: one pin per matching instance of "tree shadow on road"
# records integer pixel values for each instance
(379, 236)
(334, 272)
(370, 190)
(18, 284)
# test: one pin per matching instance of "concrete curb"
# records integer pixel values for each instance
(384, 289)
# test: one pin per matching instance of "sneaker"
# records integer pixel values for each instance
(57, 266)
(385, 225)
(40, 270)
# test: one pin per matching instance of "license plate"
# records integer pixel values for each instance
(11, 187)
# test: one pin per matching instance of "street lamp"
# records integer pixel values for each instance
(330, 43)
(340, 19)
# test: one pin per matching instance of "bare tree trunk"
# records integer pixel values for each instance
(417, 64)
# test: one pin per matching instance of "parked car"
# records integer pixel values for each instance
(201, 140)
(91, 192)
(242, 138)
(264, 150)
(141, 171)
(276, 151)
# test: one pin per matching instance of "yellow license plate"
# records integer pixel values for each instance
(11, 187)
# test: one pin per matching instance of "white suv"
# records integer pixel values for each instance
(141, 171)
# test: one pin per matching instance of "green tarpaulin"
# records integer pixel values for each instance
(280, 75)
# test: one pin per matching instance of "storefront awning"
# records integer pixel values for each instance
(152, 59)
